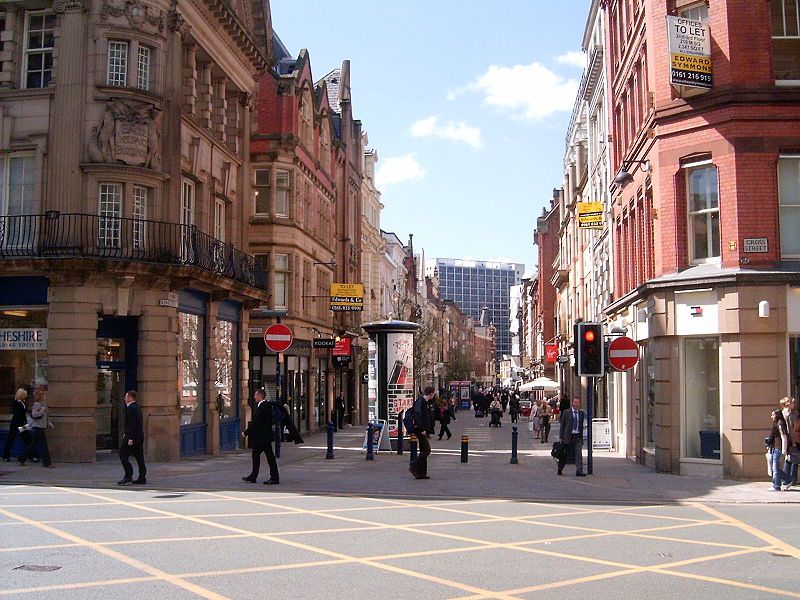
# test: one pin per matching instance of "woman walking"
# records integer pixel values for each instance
(17, 424)
(39, 430)
(778, 445)
(545, 412)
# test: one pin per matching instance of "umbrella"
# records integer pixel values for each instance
(540, 383)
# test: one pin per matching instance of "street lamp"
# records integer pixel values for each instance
(624, 177)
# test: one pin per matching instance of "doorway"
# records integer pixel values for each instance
(116, 373)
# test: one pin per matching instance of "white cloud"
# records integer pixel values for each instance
(452, 130)
(398, 169)
(573, 58)
(531, 92)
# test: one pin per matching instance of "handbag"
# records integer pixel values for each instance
(769, 464)
(559, 450)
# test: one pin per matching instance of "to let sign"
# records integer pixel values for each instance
(623, 353)
(347, 297)
(690, 52)
(278, 337)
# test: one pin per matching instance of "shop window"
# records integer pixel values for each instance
(191, 369)
(38, 49)
(224, 369)
(702, 195)
(261, 189)
(283, 189)
(23, 350)
(789, 198)
(701, 423)
(786, 41)
(794, 366)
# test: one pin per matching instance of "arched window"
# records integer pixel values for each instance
(306, 118)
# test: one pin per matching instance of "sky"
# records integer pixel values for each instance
(466, 102)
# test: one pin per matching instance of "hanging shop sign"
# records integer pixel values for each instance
(550, 353)
(34, 338)
(342, 351)
(323, 343)
(590, 215)
(689, 52)
(347, 297)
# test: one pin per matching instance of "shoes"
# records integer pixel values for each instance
(424, 477)
(560, 472)
(580, 474)
(786, 486)
(49, 467)
(125, 481)
(775, 489)
(140, 481)
(449, 436)
(6, 460)
(34, 459)
(249, 479)
(271, 481)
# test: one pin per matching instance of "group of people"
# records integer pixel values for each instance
(31, 425)
(783, 445)
(543, 413)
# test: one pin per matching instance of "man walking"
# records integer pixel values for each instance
(132, 441)
(423, 427)
(260, 433)
(571, 434)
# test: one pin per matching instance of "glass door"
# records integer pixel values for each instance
(110, 392)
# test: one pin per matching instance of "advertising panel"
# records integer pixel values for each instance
(689, 52)
(400, 375)
(372, 380)
(590, 215)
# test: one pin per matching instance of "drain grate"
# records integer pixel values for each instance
(167, 496)
(37, 568)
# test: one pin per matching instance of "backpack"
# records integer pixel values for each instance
(409, 423)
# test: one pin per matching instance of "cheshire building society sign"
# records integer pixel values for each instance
(23, 339)
(689, 52)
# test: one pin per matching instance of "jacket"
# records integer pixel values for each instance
(791, 423)
(422, 416)
(18, 418)
(260, 428)
(39, 415)
(567, 425)
(134, 423)
(780, 426)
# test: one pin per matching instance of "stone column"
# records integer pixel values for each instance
(212, 411)
(10, 44)
(72, 371)
(219, 118)
(204, 95)
(190, 78)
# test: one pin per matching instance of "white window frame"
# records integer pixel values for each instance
(714, 259)
(14, 234)
(283, 193)
(280, 277)
(187, 219)
(219, 219)
(117, 63)
(688, 12)
(139, 203)
(782, 204)
(109, 223)
(144, 61)
(264, 189)
(787, 82)
(27, 52)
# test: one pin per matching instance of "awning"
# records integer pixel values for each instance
(540, 383)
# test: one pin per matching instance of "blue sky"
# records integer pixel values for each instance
(466, 102)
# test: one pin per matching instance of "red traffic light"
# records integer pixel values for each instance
(588, 335)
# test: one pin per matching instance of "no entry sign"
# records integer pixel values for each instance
(278, 337)
(623, 353)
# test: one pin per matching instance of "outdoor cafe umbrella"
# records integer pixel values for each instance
(540, 383)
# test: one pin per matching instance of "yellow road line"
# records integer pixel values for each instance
(77, 586)
(131, 562)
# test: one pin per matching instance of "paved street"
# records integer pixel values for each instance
(486, 529)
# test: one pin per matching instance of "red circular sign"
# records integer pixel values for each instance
(278, 337)
(623, 353)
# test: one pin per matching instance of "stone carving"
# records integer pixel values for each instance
(129, 133)
(139, 15)
(60, 6)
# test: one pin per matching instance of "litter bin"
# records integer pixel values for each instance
(709, 444)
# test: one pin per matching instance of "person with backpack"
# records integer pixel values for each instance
(422, 426)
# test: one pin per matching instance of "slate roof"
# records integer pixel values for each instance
(284, 62)
(332, 80)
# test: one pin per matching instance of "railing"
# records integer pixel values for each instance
(61, 235)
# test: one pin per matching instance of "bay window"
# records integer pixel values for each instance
(703, 210)
(786, 41)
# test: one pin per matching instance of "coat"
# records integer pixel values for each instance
(567, 423)
(134, 424)
(18, 418)
(39, 415)
(261, 429)
(422, 416)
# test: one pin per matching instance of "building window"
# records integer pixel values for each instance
(39, 45)
(283, 188)
(794, 367)
(187, 220)
(261, 190)
(698, 12)
(143, 68)
(139, 216)
(280, 292)
(110, 212)
(786, 40)
(117, 63)
(219, 219)
(2, 28)
(701, 423)
(703, 209)
(16, 199)
(789, 198)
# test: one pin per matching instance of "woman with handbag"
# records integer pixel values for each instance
(39, 430)
(778, 446)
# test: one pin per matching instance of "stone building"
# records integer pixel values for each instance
(124, 200)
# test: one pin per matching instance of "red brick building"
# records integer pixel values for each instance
(706, 247)
(542, 294)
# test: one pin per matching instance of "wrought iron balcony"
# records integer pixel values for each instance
(72, 235)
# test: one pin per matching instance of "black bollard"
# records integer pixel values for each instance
(464, 448)
(334, 419)
(514, 434)
(370, 453)
(329, 455)
(412, 442)
(400, 433)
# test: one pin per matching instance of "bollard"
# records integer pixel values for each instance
(464, 448)
(370, 453)
(278, 436)
(412, 442)
(400, 433)
(334, 419)
(329, 455)
(514, 435)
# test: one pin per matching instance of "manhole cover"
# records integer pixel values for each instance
(170, 496)
(37, 568)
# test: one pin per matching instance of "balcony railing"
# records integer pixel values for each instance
(72, 235)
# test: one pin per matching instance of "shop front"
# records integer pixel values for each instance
(226, 384)
(192, 310)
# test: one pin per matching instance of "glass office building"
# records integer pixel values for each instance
(474, 284)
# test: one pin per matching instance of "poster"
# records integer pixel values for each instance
(400, 375)
(689, 52)
(372, 380)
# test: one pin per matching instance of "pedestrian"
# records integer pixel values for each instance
(18, 423)
(445, 415)
(40, 422)
(534, 419)
(504, 399)
(132, 442)
(778, 447)
(340, 408)
(571, 423)
(791, 417)
(423, 427)
(545, 412)
(513, 408)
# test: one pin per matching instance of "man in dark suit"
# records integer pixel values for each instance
(132, 441)
(261, 432)
(423, 428)
(572, 422)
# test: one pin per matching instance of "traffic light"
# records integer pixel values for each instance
(589, 350)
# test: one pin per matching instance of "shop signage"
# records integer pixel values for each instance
(323, 342)
(756, 245)
(689, 52)
(347, 297)
(170, 301)
(341, 347)
(590, 215)
(550, 352)
(257, 331)
(23, 339)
